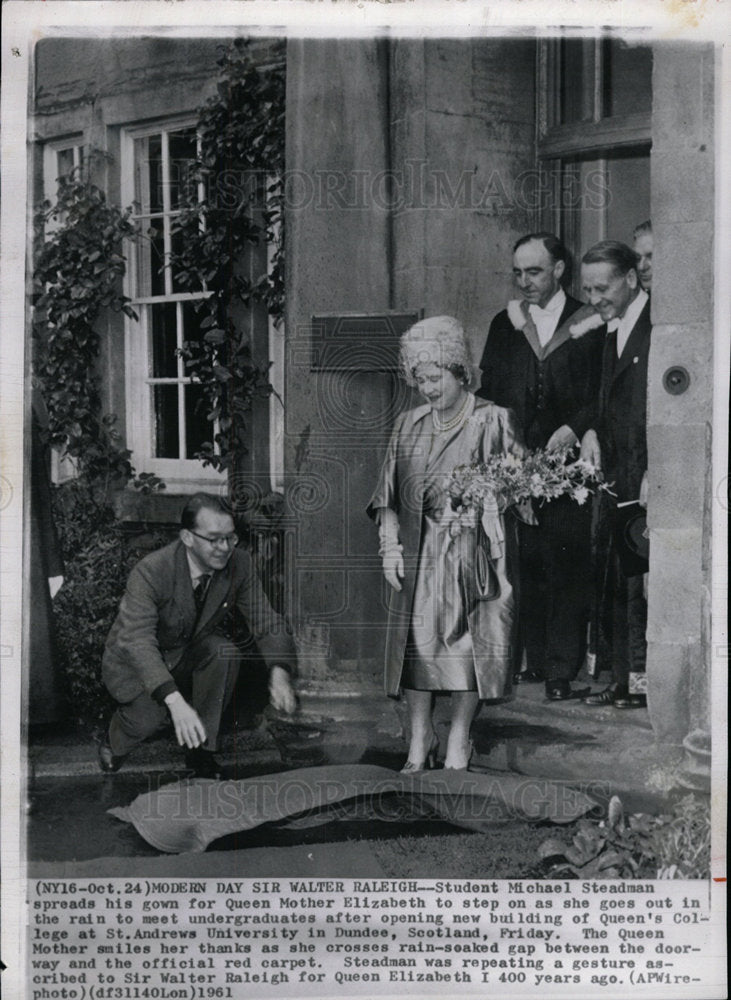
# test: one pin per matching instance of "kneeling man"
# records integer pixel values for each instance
(168, 654)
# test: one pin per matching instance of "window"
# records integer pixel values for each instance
(60, 158)
(166, 419)
(595, 102)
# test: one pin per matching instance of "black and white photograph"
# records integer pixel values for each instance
(364, 499)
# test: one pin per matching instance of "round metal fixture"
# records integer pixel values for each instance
(676, 380)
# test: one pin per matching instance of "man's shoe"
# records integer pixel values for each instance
(529, 677)
(561, 690)
(202, 763)
(606, 697)
(631, 701)
(109, 763)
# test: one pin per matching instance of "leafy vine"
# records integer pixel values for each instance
(240, 170)
(77, 275)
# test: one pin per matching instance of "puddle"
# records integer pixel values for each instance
(489, 733)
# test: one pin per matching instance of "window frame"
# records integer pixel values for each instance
(599, 133)
(51, 150)
(181, 475)
(559, 146)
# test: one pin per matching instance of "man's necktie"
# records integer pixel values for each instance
(199, 592)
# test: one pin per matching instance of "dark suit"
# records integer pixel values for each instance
(547, 388)
(621, 425)
(158, 643)
(622, 411)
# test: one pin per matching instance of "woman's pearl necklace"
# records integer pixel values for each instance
(449, 425)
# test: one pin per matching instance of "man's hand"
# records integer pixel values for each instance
(281, 692)
(644, 490)
(564, 437)
(590, 450)
(54, 585)
(189, 730)
(393, 568)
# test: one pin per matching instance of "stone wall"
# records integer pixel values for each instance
(338, 261)
(463, 130)
(403, 157)
(679, 426)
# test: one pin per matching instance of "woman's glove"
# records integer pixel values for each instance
(390, 551)
(393, 567)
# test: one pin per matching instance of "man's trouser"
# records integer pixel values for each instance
(555, 588)
(629, 627)
(205, 677)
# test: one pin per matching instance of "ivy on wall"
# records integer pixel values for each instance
(78, 269)
(240, 171)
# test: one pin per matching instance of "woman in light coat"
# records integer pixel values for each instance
(452, 602)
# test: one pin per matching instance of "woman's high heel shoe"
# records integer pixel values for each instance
(430, 759)
(469, 751)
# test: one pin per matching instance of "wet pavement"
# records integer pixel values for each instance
(68, 818)
(600, 750)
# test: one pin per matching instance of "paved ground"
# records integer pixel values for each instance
(602, 750)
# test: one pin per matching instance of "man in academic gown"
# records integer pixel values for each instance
(617, 440)
(542, 360)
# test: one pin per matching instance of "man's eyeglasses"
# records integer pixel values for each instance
(227, 540)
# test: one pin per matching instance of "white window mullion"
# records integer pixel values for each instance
(147, 405)
(182, 451)
(175, 297)
(167, 242)
(201, 183)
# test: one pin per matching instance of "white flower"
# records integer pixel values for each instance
(587, 470)
(592, 321)
(581, 495)
(516, 315)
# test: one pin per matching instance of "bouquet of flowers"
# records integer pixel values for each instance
(504, 480)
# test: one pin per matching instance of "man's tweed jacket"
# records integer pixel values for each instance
(157, 620)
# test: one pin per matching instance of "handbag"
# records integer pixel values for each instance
(486, 578)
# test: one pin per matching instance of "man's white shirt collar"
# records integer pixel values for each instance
(626, 324)
(195, 572)
(546, 318)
